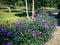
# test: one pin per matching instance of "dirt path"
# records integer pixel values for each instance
(56, 38)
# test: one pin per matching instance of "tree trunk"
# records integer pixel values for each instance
(9, 9)
(26, 8)
(32, 9)
(15, 4)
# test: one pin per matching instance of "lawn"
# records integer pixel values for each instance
(17, 13)
(48, 8)
(11, 17)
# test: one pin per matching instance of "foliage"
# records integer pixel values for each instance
(35, 32)
(38, 3)
(47, 3)
(9, 2)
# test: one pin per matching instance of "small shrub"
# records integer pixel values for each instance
(36, 32)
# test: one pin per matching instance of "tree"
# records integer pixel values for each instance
(9, 3)
(20, 3)
(1, 1)
(30, 5)
(26, 8)
(37, 4)
(32, 9)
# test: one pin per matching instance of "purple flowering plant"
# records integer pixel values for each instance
(34, 32)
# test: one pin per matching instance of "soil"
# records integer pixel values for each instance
(56, 37)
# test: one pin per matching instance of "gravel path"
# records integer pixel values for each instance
(56, 37)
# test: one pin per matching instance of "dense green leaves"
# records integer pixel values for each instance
(38, 3)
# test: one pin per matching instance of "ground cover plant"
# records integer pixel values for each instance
(35, 32)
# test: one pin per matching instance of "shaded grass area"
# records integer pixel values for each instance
(13, 11)
(17, 9)
(23, 14)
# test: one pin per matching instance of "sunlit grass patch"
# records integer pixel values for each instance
(49, 8)
(5, 16)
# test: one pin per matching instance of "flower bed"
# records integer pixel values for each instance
(36, 32)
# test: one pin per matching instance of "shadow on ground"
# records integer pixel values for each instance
(58, 22)
(58, 18)
(23, 14)
(12, 11)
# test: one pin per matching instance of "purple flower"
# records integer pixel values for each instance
(21, 27)
(33, 21)
(33, 31)
(16, 33)
(43, 20)
(0, 33)
(5, 44)
(47, 18)
(17, 22)
(40, 32)
(46, 25)
(21, 44)
(1, 29)
(33, 35)
(40, 17)
(8, 34)
(9, 43)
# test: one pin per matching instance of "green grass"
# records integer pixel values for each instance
(11, 17)
(17, 13)
(3, 6)
(48, 8)
(20, 8)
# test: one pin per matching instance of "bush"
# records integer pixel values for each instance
(12, 7)
(36, 32)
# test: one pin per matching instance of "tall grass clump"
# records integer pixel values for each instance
(35, 32)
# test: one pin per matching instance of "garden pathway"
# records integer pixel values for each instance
(56, 37)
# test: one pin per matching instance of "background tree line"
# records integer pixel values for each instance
(38, 3)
